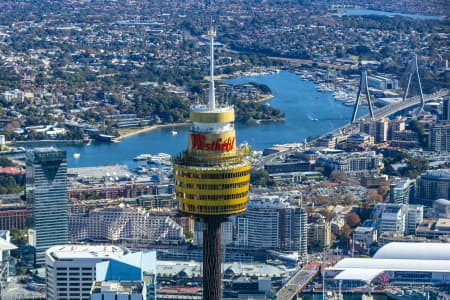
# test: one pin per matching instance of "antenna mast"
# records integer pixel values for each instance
(212, 96)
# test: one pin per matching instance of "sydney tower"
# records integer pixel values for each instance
(212, 178)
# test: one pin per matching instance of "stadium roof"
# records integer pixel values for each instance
(428, 251)
(414, 265)
(401, 257)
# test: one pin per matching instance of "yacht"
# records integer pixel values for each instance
(406, 294)
(142, 157)
(174, 132)
(160, 159)
(76, 155)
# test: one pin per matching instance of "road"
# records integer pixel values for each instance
(298, 282)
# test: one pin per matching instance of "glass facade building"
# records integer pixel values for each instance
(46, 190)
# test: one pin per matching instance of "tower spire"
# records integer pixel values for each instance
(212, 92)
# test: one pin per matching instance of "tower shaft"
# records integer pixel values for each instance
(211, 260)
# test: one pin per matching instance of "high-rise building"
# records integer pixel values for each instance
(212, 178)
(390, 217)
(398, 218)
(46, 189)
(413, 218)
(71, 269)
(322, 234)
(402, 191)
(439, 140)
(273, 224)
(432, 185)
(446, 109)
(378, 129)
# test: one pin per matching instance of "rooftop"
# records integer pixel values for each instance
(443, 174)
(427, 251)
(85, 252)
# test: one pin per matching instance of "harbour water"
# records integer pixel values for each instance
(362, 12)
(308, 113)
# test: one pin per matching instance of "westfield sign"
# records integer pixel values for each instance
(198, 142)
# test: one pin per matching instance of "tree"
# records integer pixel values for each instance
(346, 232)
(373, 196)
(383, 189)
(260, 177)
(349, 199)
(327, 213)
(352, 219)
(337, 176)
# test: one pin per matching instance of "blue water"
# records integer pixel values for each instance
(362, 12)
(298, 99)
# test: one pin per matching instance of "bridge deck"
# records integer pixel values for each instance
(298, 282)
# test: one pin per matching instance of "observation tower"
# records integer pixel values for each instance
(212, 178)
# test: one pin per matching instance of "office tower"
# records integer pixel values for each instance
(71, 269)
(212, 178)
(46, 189)
(432, 185)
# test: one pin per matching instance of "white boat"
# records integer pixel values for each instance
(174, 132)
(160, 159)
(406, 294)
(350, 102)
(142, 157)
(76, 155)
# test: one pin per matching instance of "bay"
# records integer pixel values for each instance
(308, 113)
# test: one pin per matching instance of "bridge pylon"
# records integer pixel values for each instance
(414, 70)
(363, 88)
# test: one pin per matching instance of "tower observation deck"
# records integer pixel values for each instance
(212, 178)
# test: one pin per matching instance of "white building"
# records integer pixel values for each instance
(365, 235)
(71, 269)
(352, 164)
(398, 218)
(414, 218)
(121, 223)
(132, 276)
(272, 223)
(390, 217)
(401, 263)
(126, 290)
